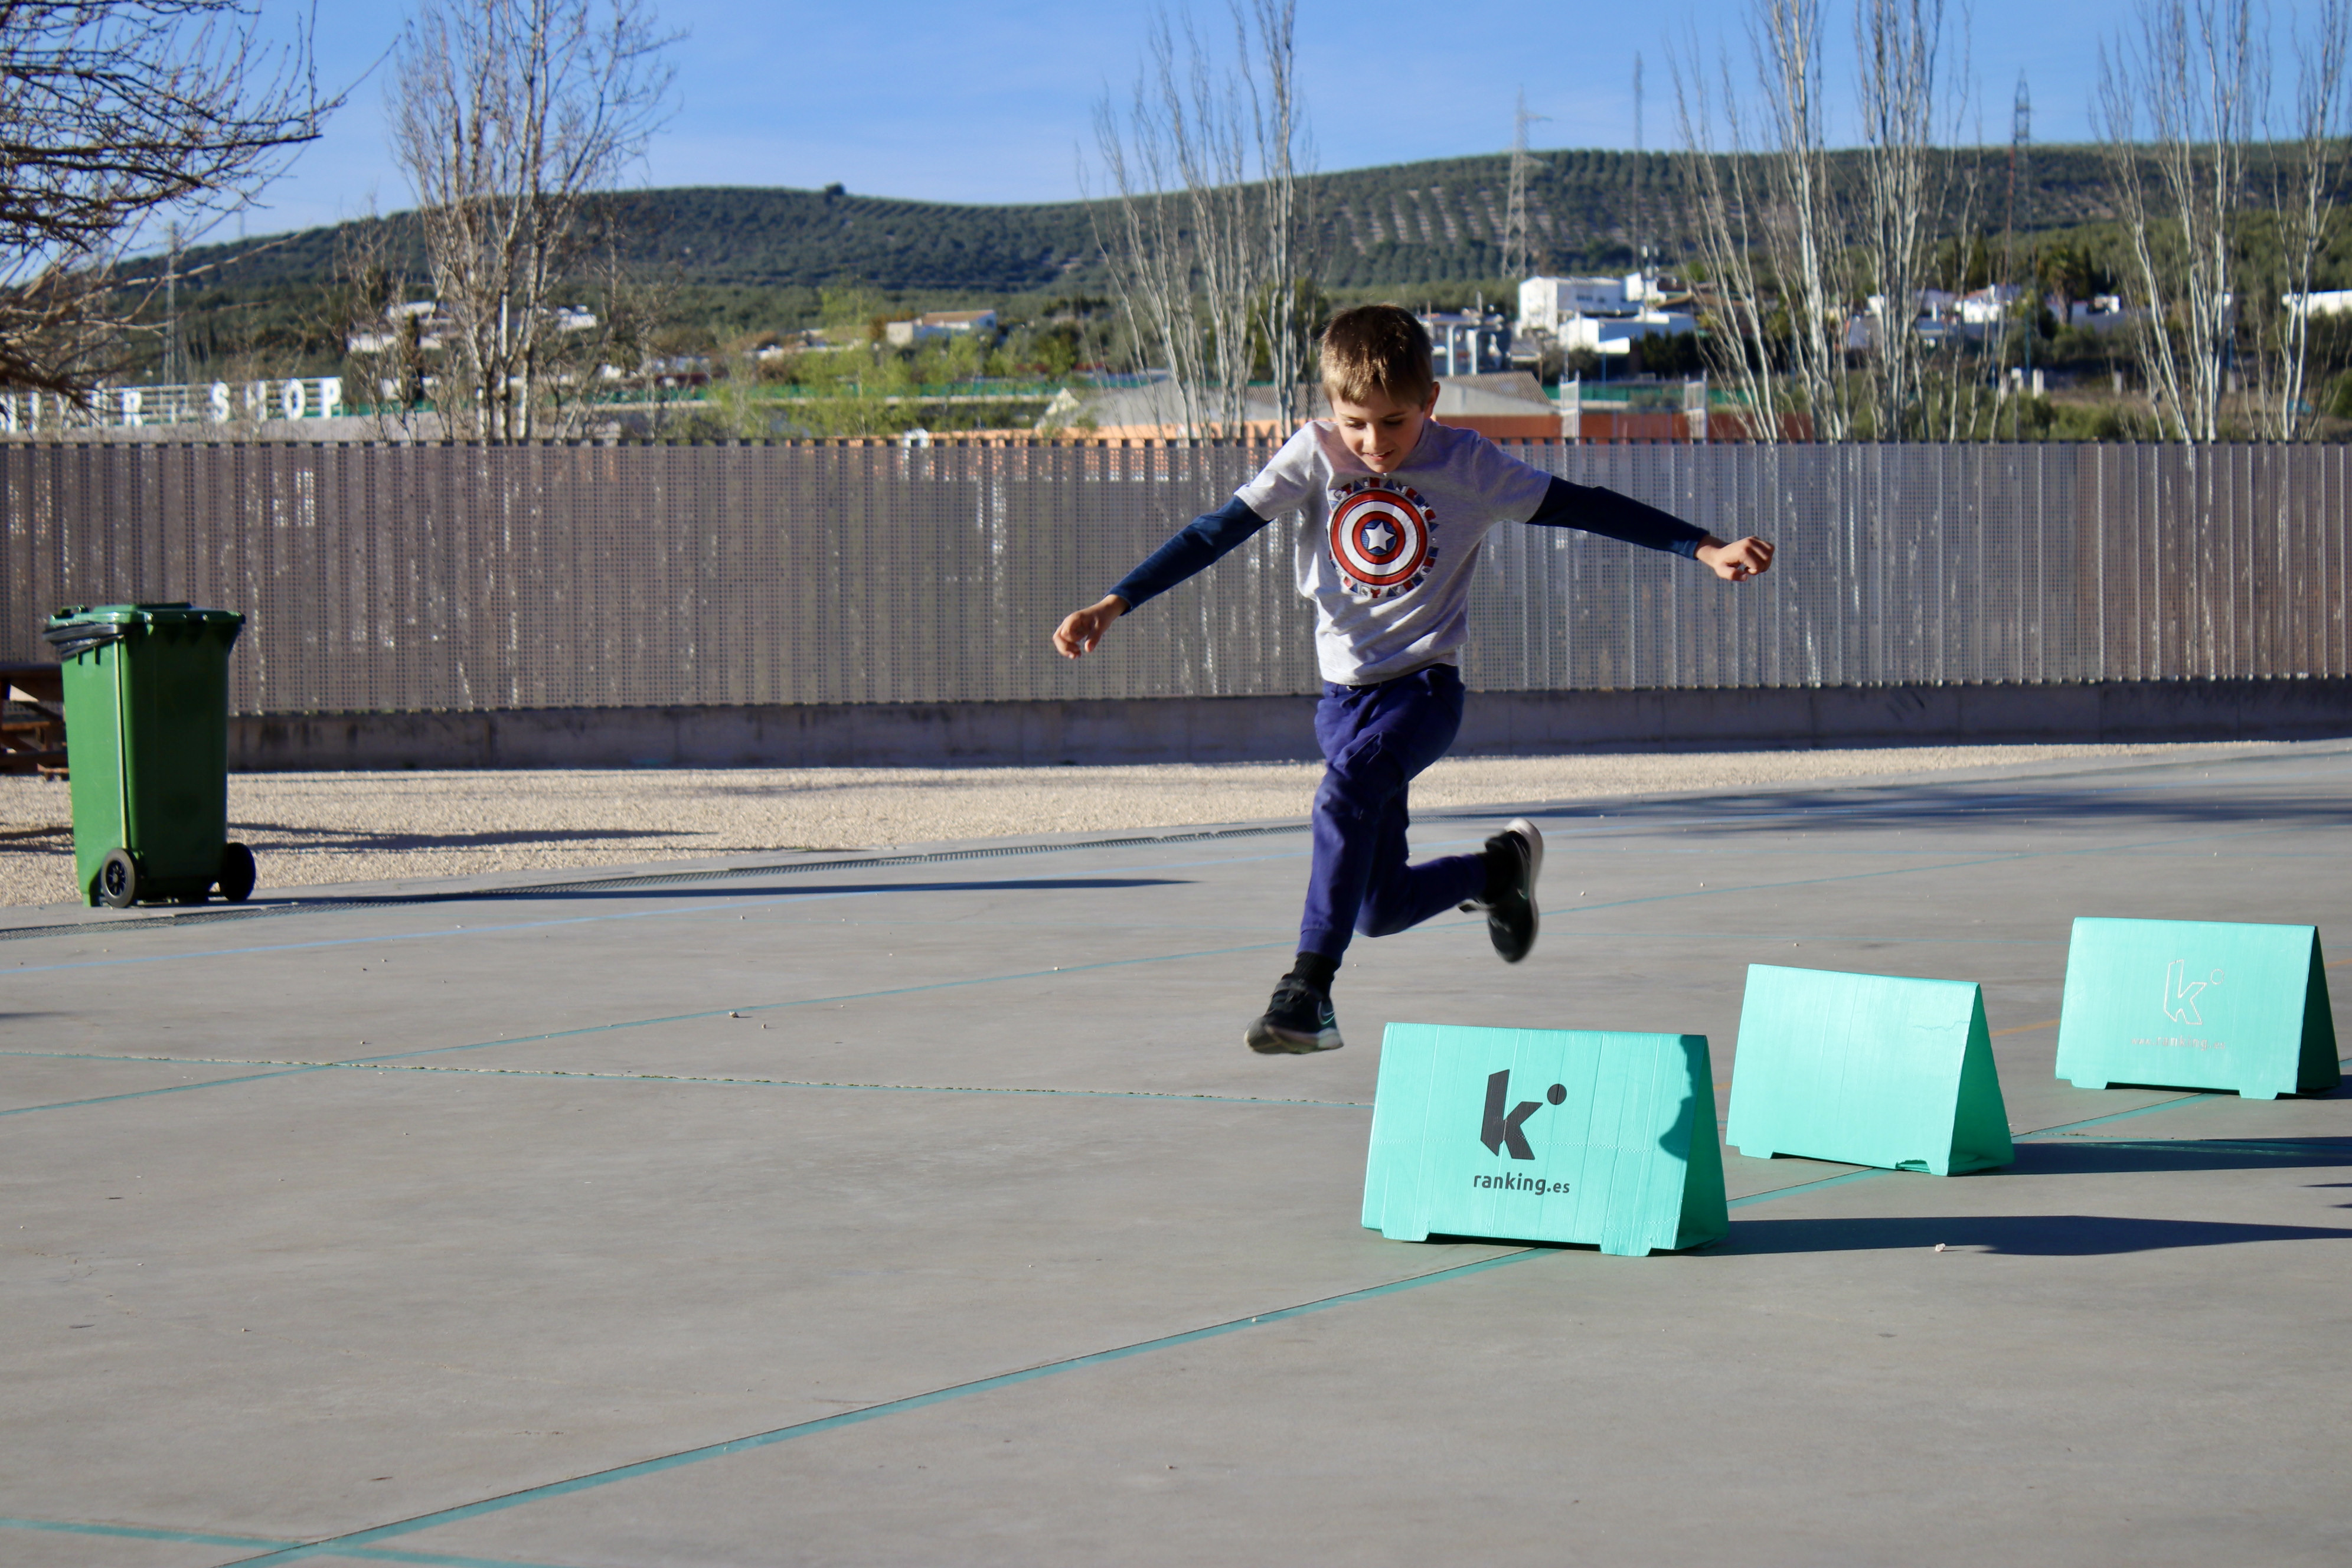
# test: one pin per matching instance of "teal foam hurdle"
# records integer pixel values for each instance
(1868, 1070)
(1570, 1135)
(2197, 1005)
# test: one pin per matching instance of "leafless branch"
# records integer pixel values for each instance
(1205, 215)
(113, 113)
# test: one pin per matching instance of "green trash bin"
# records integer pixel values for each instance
(146, 690)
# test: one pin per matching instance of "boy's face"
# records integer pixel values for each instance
(1381, 432)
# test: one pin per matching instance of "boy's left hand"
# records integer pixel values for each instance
(1737, 562)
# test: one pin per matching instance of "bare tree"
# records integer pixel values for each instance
(113, 113)
(1723, 197)
(1803, 221)
(1283, 150)
(2199, 72)
(1905, 186)
(1769, 215)
(2305, 177)
(388, 347)
(510, 116)
(1205, 213)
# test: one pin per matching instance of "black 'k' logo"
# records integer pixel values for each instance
(1498, 1128)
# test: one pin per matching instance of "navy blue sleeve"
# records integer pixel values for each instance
(1199, 545)
(1605, 513)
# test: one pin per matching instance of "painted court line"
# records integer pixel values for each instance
(841, 999)
(600, 1478)
(357, 1543)
(198, 1537)
(364, 1065)
(874, 1412)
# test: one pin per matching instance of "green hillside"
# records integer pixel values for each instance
(1402, 223)
(743, 259)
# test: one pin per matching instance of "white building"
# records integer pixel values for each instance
(2322, 302)
(1991, 305)
(939, 324)
(1546, 302)
(1616, 334)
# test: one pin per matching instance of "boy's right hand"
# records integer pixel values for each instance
(1081, 630)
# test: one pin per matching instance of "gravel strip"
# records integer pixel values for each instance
(311, 829)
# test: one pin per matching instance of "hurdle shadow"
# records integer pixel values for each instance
(2103, 1157)
(2011, 1236)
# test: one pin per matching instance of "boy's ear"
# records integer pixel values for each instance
(1429, 404)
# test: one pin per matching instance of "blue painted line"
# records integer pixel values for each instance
(363, 1065)
(357, 1543)
(1837, 1181)
(146, 1093)
(854, 1417)
(577, 1484)
(132, 1532)
(198, 1537)
(841, 999)
(376, 1066)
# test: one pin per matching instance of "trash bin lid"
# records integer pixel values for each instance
(79, 628)
(177, 611)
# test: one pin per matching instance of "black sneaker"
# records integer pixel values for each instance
(1298, 1020)
(1511, 912)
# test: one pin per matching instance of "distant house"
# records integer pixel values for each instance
(1616, 334)
(939, 324)
(1991, 305)
(1545, 303)
(431, 326)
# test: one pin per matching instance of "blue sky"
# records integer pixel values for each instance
(963, 102)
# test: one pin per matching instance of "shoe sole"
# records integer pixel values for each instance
(1268, 1042)
(1532, 837)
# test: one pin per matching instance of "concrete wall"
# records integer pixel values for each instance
(1267, 729)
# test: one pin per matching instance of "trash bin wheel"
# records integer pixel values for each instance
(235, 873)
(117, 883)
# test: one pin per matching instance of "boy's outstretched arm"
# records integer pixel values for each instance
(1199, 544)
(1614, 516)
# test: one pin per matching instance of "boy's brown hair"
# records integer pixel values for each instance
(1377, 348)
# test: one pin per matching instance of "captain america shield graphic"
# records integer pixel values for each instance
(1382, 537)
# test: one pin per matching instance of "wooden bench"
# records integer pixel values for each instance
(34, 740)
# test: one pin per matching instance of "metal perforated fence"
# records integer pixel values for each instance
(411, 578)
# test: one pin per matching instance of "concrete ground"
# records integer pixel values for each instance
(938, 1216)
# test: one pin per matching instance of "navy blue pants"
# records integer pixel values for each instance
(1376, 740)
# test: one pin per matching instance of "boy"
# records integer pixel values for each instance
(1392, 507)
